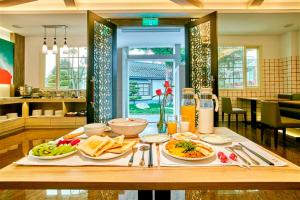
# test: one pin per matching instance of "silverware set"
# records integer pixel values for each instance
(143, 149)
(240, 148)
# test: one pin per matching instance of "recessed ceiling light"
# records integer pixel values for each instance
(288, 25)
(17, 26)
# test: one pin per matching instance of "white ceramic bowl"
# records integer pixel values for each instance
(12, 115)
(130, 127)
(94, 129)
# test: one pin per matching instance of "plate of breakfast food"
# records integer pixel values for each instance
(103, 148)
(188, 149)
(54, 150)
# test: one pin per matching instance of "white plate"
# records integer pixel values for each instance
(105, 156)
(51, 157)
(189, 159)
(155, 138)
(215, 139)
(184, 136)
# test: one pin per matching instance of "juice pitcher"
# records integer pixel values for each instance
(206, 110)
(188, 108)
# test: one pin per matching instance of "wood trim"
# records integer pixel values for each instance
(7, 3)
(253, 3)
(70, 3)
(197, 3)
(19, 59)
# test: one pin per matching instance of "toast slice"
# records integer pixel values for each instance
(118, 141)
(107, 146)
(124, 148)
(93, 144)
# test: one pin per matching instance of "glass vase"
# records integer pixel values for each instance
(161, 124)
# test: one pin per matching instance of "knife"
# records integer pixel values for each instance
(256, 154)
(150, 161)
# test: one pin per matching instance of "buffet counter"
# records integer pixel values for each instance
(23, 110)
(13, 100)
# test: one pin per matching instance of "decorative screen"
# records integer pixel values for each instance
(200, 56)
(103, 66)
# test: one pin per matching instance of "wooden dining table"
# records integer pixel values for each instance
(157, 178)
(253, 106)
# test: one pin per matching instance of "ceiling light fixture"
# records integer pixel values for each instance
(45, 48)
(54, 48)
(65, 47)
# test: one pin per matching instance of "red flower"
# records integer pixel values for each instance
(169, 91)
(167, 84)
(158, 92)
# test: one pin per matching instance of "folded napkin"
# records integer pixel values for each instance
(78, 160)
(166, 160)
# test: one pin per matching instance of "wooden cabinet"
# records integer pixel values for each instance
(24, 108)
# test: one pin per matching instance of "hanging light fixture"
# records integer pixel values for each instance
(54, 48)
(65, 47)
(44, 47)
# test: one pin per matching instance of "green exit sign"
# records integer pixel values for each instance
(150, 21)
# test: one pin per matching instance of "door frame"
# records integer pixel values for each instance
(90, 97)
(175, 58)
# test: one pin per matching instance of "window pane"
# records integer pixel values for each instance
(73, 52)
(50, 71)
(73, 69)
(231, 62)
(83, 52)
(252, 65)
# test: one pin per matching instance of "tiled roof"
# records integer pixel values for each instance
(147, 70)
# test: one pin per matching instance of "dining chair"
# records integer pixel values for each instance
(295, 97)
(271, 118)
(229, 110)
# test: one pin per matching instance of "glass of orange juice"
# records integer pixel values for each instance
(172, 124)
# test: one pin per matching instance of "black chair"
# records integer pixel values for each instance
(270, 118)
(227, 108)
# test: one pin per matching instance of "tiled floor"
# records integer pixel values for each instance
(291, 153)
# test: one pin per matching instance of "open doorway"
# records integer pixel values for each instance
(146, 64)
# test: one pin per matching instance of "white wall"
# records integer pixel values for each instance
(34, 56)
(290, 44)
(269, 44)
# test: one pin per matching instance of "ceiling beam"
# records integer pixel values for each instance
(8, 3)
(255, 3)
(70, 3)
(197, 3)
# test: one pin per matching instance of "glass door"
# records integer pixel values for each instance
(202, 54)
(102, 69)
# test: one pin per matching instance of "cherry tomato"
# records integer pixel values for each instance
(232, 156)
